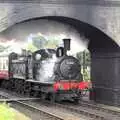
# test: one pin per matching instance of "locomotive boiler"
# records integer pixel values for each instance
(46, 73)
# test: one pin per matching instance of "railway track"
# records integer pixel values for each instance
(99, 107)
(17, 103)
(42, 110)
(91, 111)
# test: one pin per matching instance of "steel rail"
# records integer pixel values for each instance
(98, 107)
(36, 109)
(86, 112)
(31, 107)
(77, 109)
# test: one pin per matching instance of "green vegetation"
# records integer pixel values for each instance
(6, 112)
(3, 48)
(39, 41)
(84, 58)
(52, 42)
(31, 47)
(86, 74)
(85, 61)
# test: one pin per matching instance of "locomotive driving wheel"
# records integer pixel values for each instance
(27, 89)
(12, 83)
(3, 84)
(22, 88)
(6, 84)
(76, 100)
(52, 97)
(17, 85)
(43, 95)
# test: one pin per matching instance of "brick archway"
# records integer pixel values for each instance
(105, 55)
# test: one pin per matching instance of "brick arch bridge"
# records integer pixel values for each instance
(104, 37)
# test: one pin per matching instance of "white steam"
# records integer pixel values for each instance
(78, 43)
(46, 70)
(48, 28)
(12, 46)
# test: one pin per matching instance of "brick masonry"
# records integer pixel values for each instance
(102, 14)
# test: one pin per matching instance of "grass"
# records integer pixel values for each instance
(8, 113)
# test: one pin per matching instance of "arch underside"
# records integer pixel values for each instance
(98, 41)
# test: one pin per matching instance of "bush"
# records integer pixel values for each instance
(86, 74)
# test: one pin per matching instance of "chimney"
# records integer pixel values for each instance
(66, 45)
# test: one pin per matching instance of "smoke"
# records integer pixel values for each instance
(78, 43)
(46, 70)
(48, 28)
(11, 46)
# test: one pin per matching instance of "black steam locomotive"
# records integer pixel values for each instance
(47, 73)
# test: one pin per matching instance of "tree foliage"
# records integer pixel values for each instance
(39, 41)
(31, 47)
(4, 48)
(84, 58)
(85, 61)
(52, 42)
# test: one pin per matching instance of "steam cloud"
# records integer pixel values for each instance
(48, 28)
(45, 73)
